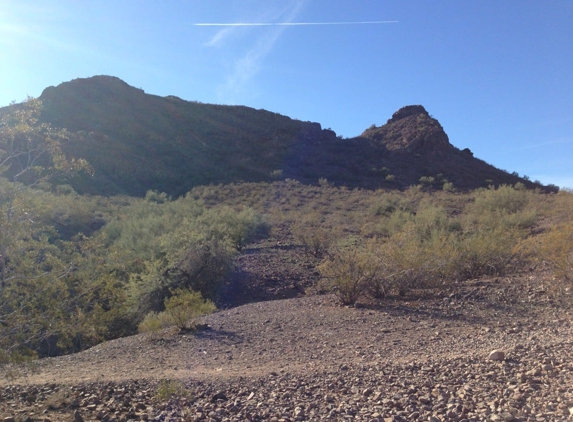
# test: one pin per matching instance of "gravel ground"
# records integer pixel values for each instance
(420, 358)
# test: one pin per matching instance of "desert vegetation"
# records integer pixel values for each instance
(76, 270)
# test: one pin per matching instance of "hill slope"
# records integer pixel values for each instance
(136, 142)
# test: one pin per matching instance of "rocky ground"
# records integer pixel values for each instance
(419, 358)
(303, 357)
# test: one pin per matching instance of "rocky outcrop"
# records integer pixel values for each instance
(412, 130)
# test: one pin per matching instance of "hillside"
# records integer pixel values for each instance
(136, 142)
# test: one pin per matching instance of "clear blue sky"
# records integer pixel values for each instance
(497, 74)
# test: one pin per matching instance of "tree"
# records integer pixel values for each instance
(34, 270)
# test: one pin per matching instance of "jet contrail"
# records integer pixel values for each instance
(293, 23)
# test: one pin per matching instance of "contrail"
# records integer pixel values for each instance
(293, 23)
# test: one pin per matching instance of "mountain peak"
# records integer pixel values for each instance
(410, 110)
(411, 129)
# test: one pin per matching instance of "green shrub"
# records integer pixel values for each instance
(184, 306)
(554, 248)
(154, 322)
(172, 389)
(313, 234)
(503, 199)
(349, 273)
(407, 262)
(181, 311)
(448, 187)
(237, 227)
(390, 203)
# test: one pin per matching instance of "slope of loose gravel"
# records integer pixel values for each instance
(308, 358)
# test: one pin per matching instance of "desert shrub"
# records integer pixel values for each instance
(153, 322)
(349, 272)
(555, 248)
(407, 262)
(481, 253)
(448, 187)
(177, 244)
(389, 203)
(276, 174)
(427, 181)
(184, 306)
(157, 197)
(181, 311)
(172, 389)
(503, 199)
(315, 240)
(237, 227)
(313, 234)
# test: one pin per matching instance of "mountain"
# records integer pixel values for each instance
(137, 141)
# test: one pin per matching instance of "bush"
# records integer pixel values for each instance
(407, 263)
(555, 248)
(481, 253)
(390, 203)
(350, 272)
(172, 389)
(313, 235)
(185, 306)
(236, 227)
(503, 199)
(181, 311)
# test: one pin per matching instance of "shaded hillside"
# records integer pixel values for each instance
(135, 142)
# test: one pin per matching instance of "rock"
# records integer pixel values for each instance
(406, 111)
(497, 355)
(220, 395)
(298, 412)
(8, 419)
(78, 417)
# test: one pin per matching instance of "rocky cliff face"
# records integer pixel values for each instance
(412, 130)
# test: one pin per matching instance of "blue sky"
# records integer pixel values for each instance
(498, 75)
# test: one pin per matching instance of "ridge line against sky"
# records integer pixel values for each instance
(497, 75)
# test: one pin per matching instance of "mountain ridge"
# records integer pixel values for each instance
(138, 142)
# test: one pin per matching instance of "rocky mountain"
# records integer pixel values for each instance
(136, 141)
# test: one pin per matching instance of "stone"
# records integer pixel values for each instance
(220, 395)
(78, 417)
(497, 355)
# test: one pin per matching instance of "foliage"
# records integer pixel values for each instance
(178, 244)
(31, 150)
(556, 248)
(181, 311)
(40, 297)
(172, 389)
(350, 271)
(311, 232)
(78, 270)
